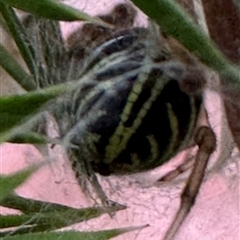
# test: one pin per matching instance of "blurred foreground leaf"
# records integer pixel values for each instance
(14, 69)
(29, 137)
(100, 235)
(42, 221)
(50, 9)
(15, 109)
(18, 33)
(175, 21)
(9, 183)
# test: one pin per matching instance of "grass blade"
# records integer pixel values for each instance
(176, 22)
(100, 235)
(15, 109)
(51, 9)
(19, 36)
(47, 221)
(9, 183)
(15, 70)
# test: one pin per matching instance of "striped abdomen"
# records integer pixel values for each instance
(135, 117)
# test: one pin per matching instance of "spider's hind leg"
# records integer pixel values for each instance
(206, 141)
(85, 174)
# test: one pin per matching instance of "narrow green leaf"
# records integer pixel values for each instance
(29, 137)
(48, 221)
(175, 21)
(43, 216)
(28, 206)
(51, 9)
(100, 235)
(7, 221)
(19, 36)
(9, 183)
(15, 109)
(15, 70)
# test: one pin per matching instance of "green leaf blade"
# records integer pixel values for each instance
(48, 221)
(9, 183)
(50, 9)
(175, 21)
(73, 235)
(14, 109)
(19, 35)
(15, 70)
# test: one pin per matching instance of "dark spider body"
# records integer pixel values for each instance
(134, 116)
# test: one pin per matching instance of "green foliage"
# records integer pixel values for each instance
(175, 21)
(9, 183)
(49, 9)
(100, 235)
(16, 109)
(15, 70)
(43, 216)
(38, 218)
(17, 30)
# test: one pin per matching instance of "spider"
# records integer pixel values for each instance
(139, 102)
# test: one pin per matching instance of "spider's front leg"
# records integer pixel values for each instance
(206, 141)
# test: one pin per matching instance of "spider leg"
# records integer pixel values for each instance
(110, 205)
(84, 172)
(188, 163)
(205, 139)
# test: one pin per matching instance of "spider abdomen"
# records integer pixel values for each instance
(136, 117)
